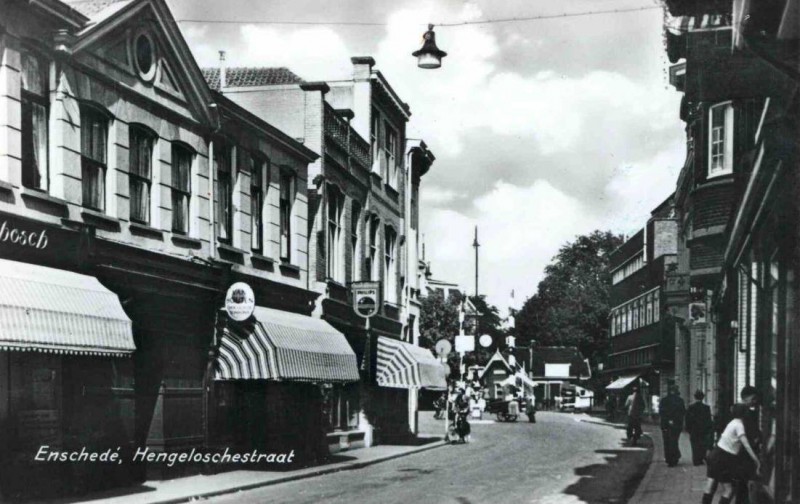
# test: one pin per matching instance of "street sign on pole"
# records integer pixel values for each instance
(465, 344)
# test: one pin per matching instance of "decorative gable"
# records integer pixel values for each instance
(141, 47)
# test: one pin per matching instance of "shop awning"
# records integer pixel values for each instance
(402, 365)
(49, 310)
(621, 383)
(285, 346)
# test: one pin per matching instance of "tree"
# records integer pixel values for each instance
(571, 305)
(438, 318)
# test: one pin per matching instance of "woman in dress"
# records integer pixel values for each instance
(723, 465)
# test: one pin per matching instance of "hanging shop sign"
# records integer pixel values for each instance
(366, 298)
(240, 302)
(465, 344)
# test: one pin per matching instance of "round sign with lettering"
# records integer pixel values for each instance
(240, 302)
(366, 306)
(485, 341)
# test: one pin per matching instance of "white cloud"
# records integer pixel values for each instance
(520, 230)
(437, 196)
(637, 188)
(316, 53)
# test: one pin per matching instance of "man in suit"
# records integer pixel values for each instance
(672, 410)
(700, 428)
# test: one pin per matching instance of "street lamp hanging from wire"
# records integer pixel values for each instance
(429, 56)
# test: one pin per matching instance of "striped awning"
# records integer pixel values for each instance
(283, 346)
(402, 365)
(621, 383)
(683, 24)
(49, 310)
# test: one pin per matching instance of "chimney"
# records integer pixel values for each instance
(223, 70)
(362, 67)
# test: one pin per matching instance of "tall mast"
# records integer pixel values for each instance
(476, 245)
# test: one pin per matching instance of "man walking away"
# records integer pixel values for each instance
(700, 428)
(672, 411)
(634, 406)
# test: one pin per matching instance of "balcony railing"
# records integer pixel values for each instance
(346, 139)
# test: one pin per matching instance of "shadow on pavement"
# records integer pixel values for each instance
(604, 483)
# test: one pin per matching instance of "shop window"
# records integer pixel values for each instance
(720, 139)
(34, 122)
(140, 172)
(182, 158)
(286, 201)
(94, 142)
(341, 407)
(224, 175)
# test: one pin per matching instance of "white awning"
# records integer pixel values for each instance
(621, 383)
(55, 311)
(402, 365)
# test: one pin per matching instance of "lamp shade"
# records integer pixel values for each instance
(429, 56)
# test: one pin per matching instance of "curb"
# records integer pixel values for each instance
(600, 422)
(347, 466)
(638, 496)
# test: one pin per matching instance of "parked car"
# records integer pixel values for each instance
(575, 398)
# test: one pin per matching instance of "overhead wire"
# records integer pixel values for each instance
(514, 19)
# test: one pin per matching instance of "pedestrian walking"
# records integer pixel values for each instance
(634, 407)
(672, 411)
(700, 428)
(724, 464)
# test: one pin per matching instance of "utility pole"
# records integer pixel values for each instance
(476, 245)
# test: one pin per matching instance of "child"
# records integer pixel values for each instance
(723, 464)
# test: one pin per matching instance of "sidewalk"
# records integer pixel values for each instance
(195, 487)
(682, 484)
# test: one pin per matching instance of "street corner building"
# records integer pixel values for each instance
(135, 189)
(735, 289)
(641, 328)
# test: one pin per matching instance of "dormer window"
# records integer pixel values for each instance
(144, 56)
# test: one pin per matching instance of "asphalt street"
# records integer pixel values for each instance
(559, 459)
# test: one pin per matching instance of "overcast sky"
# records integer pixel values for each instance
(542, 130)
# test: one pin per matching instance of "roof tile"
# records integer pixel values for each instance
(251, 77)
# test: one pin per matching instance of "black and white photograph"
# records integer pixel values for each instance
(400, 251)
